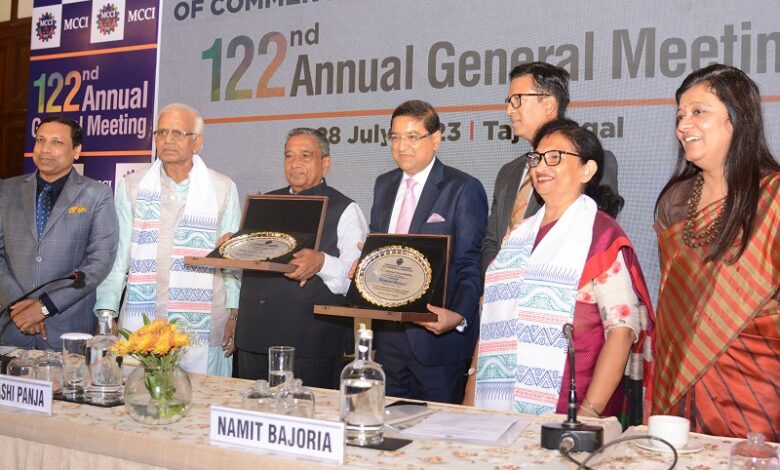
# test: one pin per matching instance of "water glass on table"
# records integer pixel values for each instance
(280, 366)
(49, 368)
(74, 360)
(22, 365)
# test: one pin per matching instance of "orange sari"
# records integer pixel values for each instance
(717, 337)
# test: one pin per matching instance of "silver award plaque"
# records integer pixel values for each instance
(258, 246)
(393, 276)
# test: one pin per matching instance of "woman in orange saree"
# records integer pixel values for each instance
(717, 337)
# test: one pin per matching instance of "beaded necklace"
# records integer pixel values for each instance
(707, 236)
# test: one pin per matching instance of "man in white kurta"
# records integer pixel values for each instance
(177, 208)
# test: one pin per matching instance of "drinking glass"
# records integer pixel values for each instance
(21, 366)
(49, 368)
(74, 360)
(280, 366)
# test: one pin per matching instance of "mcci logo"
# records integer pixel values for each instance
(107, 18)
(45, 27)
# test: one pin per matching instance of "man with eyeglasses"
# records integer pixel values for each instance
(538, 94)
(282, 307)
(53, 222)
(176, 208)
(426, 360)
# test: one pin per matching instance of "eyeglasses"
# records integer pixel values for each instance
(413, 139)
(550, 157)
(175, 133)
(516, 100)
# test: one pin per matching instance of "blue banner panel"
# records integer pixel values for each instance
(95, 61)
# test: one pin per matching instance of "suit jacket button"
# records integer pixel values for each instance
(262, 302)
(38, 259)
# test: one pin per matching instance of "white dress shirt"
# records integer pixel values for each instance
(352, 229)
(420, 178)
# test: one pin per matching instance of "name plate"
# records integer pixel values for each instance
(314, 439)
(25, 394)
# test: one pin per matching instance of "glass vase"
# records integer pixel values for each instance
(158, 394)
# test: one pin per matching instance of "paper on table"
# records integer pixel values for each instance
(467, 426)
(400, 417)
(7, 350)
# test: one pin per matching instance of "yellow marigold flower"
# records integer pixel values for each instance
(121, 347)
(145, 343)
(164, 343)
(181, 339)
(157, 326)
(132, 343)
(158, 338)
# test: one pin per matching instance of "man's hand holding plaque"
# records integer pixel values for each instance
(400, 277)
(446, 320)
(307, 264)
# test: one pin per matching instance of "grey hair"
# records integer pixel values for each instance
(186, 108)
(322, 141)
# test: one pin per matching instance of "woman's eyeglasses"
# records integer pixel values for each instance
(550, 157)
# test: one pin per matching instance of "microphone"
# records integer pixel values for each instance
(572, 435)
(77, 277)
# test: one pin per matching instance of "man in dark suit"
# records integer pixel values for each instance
(427, 360)
(278, 310)
(53, 222)
(538, 93)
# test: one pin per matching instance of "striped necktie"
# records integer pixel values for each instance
(521, 203)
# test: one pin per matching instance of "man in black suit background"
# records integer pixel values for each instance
(279, 309)
(538, 93)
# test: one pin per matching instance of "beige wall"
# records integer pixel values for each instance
(24, 9)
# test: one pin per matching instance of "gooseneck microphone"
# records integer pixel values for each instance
(571, 420)
(78, 282)
(573, 435)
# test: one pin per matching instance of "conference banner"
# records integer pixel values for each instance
(95, 61)
(258, 68)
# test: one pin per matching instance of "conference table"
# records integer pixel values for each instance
(84, 437)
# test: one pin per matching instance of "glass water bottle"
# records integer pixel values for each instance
(104, 367)
(754, 454)
(363, 394)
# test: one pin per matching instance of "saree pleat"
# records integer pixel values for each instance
(717, 338)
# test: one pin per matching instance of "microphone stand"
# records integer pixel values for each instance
(78, 283)
(572, 435)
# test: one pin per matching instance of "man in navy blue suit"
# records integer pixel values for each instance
(427, 361)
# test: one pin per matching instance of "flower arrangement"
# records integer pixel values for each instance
(155, 344)
(159, 346)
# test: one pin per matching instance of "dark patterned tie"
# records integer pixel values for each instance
(43, 209)
(521, 203)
